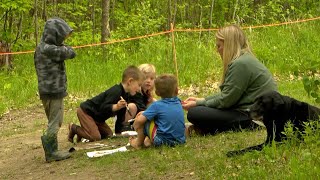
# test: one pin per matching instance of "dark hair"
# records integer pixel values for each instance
(166, 85)
(132, 72)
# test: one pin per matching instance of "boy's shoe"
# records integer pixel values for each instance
(72, 132)
(50, 146)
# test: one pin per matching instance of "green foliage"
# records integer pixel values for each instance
(312, 86)
(140, 21)
(16, 5)
(284, 50)
(96, 68)
(311, 133)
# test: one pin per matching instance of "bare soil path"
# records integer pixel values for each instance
(21, 153)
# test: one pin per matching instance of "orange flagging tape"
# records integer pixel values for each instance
(123, 40)
(170, 31)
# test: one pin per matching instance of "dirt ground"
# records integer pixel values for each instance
(21, 152)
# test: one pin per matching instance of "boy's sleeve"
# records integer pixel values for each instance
(151, 112)
(62, 52)
(109, 99)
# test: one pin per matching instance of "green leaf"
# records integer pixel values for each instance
(314, 95)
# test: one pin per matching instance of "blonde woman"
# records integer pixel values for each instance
(244, 79)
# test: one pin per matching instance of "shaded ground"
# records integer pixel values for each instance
(22, 156)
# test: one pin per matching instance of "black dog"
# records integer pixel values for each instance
(275, 110)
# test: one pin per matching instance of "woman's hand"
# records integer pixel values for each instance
(186, 105)
(193, 99)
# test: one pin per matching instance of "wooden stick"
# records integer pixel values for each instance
(127, 107)
(174, 52)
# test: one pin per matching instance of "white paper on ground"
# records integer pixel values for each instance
(260, 123)
(129, 133)
(85, 140)
(106, 152)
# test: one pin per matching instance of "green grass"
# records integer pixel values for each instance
(204, 158)
(282, 49)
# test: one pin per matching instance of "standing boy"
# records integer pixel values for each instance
(52, 81)
(93, 113)
(163, 121)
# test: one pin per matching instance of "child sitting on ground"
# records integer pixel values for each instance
(163, 121)
(141, 100)
(93, 113)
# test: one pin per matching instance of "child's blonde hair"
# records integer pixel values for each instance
(147, 68)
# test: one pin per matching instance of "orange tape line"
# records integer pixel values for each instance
(169, 31)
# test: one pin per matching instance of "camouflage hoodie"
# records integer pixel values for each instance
(49, 59)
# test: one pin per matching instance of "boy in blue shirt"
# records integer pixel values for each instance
(162, 123)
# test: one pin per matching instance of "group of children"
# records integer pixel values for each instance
(157, 122)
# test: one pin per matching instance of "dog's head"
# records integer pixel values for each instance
(268, 104)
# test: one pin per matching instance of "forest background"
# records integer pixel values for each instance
(110, 20)
(101, 38)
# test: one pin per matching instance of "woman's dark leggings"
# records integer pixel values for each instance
(210, 120)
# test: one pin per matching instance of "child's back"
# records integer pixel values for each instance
(163, 121)
(169, 118)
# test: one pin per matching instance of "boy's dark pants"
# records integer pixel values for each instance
(119, 124)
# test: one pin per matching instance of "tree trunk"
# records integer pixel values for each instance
(19, 29)
(112, 7)
(105, 30)
(235, 10)
(175, 12)
(93, 19)
(5, 60)
(44, 12)
(210, 20)
(211, 11)
(56, 8)
(169, 15)
(36, 21)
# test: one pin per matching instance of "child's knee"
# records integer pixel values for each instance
(133, 108)
(138, 126)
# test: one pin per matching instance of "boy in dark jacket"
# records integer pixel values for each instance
(93, 113)
(52, 81)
